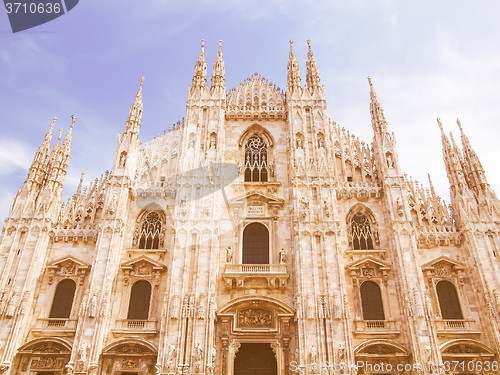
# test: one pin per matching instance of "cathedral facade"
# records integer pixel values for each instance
(255, 236)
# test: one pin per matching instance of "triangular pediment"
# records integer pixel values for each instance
(142, 261)
(368, 261)
(255, 195)
(443, 260)
(68, 261)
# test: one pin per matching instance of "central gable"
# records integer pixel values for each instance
(255, 97)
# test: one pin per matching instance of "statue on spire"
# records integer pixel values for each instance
(200, 70)
(293, 79)
(378, 119)
(312, 75)
(135, 114)
(219, 73)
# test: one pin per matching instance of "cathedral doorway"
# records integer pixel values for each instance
(255, 359)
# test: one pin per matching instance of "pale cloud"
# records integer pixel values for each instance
(14, 155)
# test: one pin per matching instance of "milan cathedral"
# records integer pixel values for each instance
(254, 236)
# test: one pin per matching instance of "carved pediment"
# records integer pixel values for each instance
(254, 196)
(443, 267)
(368, 261)
(142, 266)
(369, 266)
(67, 266)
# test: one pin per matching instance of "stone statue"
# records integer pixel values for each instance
(313, 354)
(229, 254)
(82, 351)
(198, 352)
(390, 161)
(171, 355)
(341, 353)
(13, 301)
(282, 256)
(123, 159)
(93, 306)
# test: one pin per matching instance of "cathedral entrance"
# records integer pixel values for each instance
(255, 337)
(255, 359)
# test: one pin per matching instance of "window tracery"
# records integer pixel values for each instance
(151, 233)
(361, 233)
(256, 160)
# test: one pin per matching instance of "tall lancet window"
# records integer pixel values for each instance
(255, 160)
(361, 232)
(150, 232)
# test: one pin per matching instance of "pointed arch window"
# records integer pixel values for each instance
(371, 301)
(63, 299)
(448, 300)
(255, 244)
(150, 232)
(361, 232)
(255, 160)
(140, 296)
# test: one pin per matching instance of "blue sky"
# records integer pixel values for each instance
(427, 59)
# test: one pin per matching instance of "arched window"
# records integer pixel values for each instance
(150, 232)
(255, 244)
(361, 232)
(448, 300)
(63, 299)
(255, 160)
(371, 301)
(140, 295)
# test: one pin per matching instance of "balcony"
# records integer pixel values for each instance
(377, 328)
(453, 327)
(128, 326)
(63, 327)
(255, 276)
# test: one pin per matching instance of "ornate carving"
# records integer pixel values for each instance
(174, 311)
(47, 363)
(171, 356)
(368, 272)
(93, 305)
(419, 308)
(310, 307)
(298, 305)
(255, 318)
(201, 307)
(13, 301)
(84, 303)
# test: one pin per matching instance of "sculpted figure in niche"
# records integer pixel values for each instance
(282, 256)
(212, 150)
(229, 254)
(390, 161)
(171, 355)
(123, 159)
(198, 352)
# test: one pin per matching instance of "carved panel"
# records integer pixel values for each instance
(255, 318)
(48, 363)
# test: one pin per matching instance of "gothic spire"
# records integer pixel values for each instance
(67, 139)
(134, 117)
(312, 75)
(293, 79)
(200, 69)
(219, 72)
(472, 164)
(38, 168)
(452, 161)
(378, 119)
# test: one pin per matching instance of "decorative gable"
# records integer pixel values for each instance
(142, 267)
(67, 267)
(256, 204)
(368, 267)
(443, 267)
